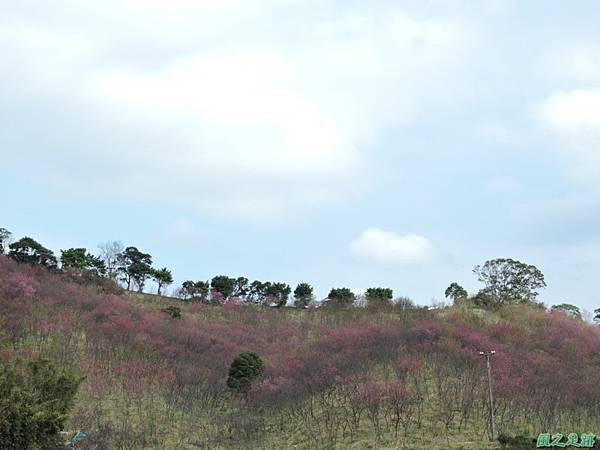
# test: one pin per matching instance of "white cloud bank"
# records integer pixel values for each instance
(221, 108)
(387, 248)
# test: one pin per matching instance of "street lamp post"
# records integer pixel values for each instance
(487, 355)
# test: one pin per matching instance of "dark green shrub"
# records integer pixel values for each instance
(173, 311)
(35, 400)
(518, 442)
(243, 371)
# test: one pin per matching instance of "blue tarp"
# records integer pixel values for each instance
(76, 438)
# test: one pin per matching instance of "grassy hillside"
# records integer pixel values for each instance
(335, 379)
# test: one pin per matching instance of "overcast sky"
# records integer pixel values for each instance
(341, 143)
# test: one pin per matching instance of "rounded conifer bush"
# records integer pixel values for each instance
(245, 368)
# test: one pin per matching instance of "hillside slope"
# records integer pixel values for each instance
(363, 378)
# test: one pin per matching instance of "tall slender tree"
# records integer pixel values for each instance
(163, 277)
(5, 236)
(110, 253)
(135, 267)
(303, 295)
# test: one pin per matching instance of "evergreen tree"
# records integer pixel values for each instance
(244, 370)
(163, 277)
(341, 297)
(303, 295)
(28, 250)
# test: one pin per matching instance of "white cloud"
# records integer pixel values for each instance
(233, 113)
(572, 118)
(218, 107)
(387, 248)
(573, 111)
